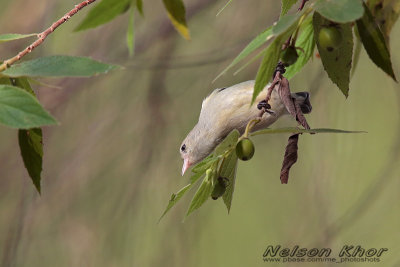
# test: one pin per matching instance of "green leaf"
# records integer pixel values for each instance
(130, 34)
(58, 66)
(261, 39)
(5, 80)
(286, 22)
(386, 13)
(176, 13)
(197, 176)
(31, 147)
(250, 61)
(31, 142)
(284, 28)
(174, 199)
(14, 36)
(202, 166)
(337, 63)
(203, 193)
(286, 5)
(374, 42)
(222, 9)
(267, 66)
(228, 143)
(228, 170)
(139, 5)
(24, 84)
(103, 12)
(19, 109)
(295, 130)
(306, 42)
(340, 11)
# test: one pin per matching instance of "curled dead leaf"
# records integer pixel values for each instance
(290, 157)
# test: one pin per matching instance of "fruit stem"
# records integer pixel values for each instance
(249, 126)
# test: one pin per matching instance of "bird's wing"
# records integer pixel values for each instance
(222, 97)
(228, 108)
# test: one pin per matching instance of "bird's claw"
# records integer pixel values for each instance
(267, 107)
(263, 104)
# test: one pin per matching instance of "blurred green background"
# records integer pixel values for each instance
(112, 164)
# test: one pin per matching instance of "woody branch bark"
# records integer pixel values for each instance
(43, 35)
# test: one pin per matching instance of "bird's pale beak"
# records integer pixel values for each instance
(186, 165)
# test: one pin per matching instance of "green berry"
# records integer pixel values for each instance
(289, 56)
(245, 149)
(330, 38)
(219, 188)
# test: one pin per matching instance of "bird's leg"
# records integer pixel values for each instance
(263, 105)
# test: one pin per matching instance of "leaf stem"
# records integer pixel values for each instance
(42, 36)
(303, 2)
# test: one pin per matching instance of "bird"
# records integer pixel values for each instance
(226, 109)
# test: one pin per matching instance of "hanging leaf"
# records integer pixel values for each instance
(337, 63)
(222, 9)
(341, 11)
(130, 34)
(286, 5)
(139, 5)
(31, 143)
(31, 147)
(290, 157)
(286, 23)
(374, 42)
(228, 143)
(205, 164)
(284, 28)
(305, 41)
(203, 193)
(19, 109)
(58, 66)
(14, 36)
(176, 13)
(267, 66)
(103, 12)
(228, 170)
(295, 130)
(250, 61)
(174, 199)
(251, 47)
(386, 13)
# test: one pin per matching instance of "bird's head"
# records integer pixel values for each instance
(197, 145)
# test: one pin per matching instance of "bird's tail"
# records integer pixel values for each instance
(303, 98)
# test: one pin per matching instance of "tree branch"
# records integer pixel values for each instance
(42, 36)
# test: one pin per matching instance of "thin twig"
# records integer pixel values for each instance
(277, 79)
(289, 40)
(42, 36)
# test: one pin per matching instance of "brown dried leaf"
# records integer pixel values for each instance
(290, 157)
(285, 94)
(290, 103)
(299, 116)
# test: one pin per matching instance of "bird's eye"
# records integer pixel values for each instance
(183, 148)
